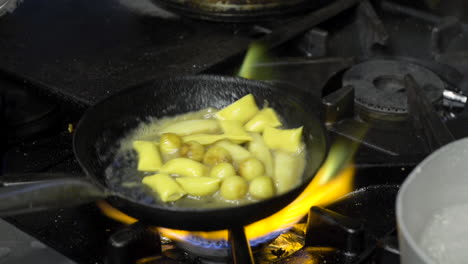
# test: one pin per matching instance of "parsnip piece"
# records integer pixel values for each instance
(241, 110)
(251, 168)
(260, 150)
(223, 170)
(189, 127)
(164, 186)
(204, 139)
(193, 150)
(234, 188)
(234, 131)
(237, 152)
(262, 187)
(216, 155)
(289, 168)
(199, 186)
(283, 139)
(267, 117)
(148, 155)
(184, 167)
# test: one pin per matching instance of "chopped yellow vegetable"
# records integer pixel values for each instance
(234, 188)
(189, 127)
(169, 144)
(288, 170)
(265, 118)
(283, 139)
(222, 170)
(260, 150)
(237, 152)
(193, 150)
(241, 110)
(184, 167)
(204, 139)
(148, 156)
(234, 131)
(199, 186)
(164, 186)
(251, 168)
(262, 187)
(216, 155)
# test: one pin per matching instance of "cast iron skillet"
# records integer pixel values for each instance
(98, 132)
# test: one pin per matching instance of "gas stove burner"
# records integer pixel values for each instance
(379, 89)
(218, 251)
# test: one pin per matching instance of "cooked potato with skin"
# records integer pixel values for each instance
(164, 186)
(170, 144)
(241, 110)
(184, 167)
(189, 127)
(199, 186)
(238, 153)
(215, 155)
(260, 150)
(192, 150)
(223, 170)
(148, 155)
(267, 117)
(283, 139)
(262, 187)
(251, 168)
(234, 188)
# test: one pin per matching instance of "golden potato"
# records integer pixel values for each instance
(234, 188)
(222, 170)
(262, 187)
(251, 168)
(169, 143)
(193, 150)
(215, 155)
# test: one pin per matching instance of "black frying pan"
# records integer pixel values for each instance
(104, 124)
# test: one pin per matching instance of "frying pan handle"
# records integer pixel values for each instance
(31, 192)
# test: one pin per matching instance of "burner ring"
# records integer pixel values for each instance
(379, 88)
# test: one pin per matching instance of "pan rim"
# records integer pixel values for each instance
(209, 77)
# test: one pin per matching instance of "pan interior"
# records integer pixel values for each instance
(101, 130)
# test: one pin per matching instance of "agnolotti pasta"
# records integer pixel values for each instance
(239, 154)
(165, 186)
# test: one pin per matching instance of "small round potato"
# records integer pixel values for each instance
(193, 150)
(169, 143)
(234, 188)
(223, 170)
(262, 187)
(215, 155)
(251, 168)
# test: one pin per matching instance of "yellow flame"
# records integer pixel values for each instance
(331, 182)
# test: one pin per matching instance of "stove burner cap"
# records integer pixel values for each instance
(379, 89)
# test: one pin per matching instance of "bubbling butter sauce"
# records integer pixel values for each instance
(123, 177)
